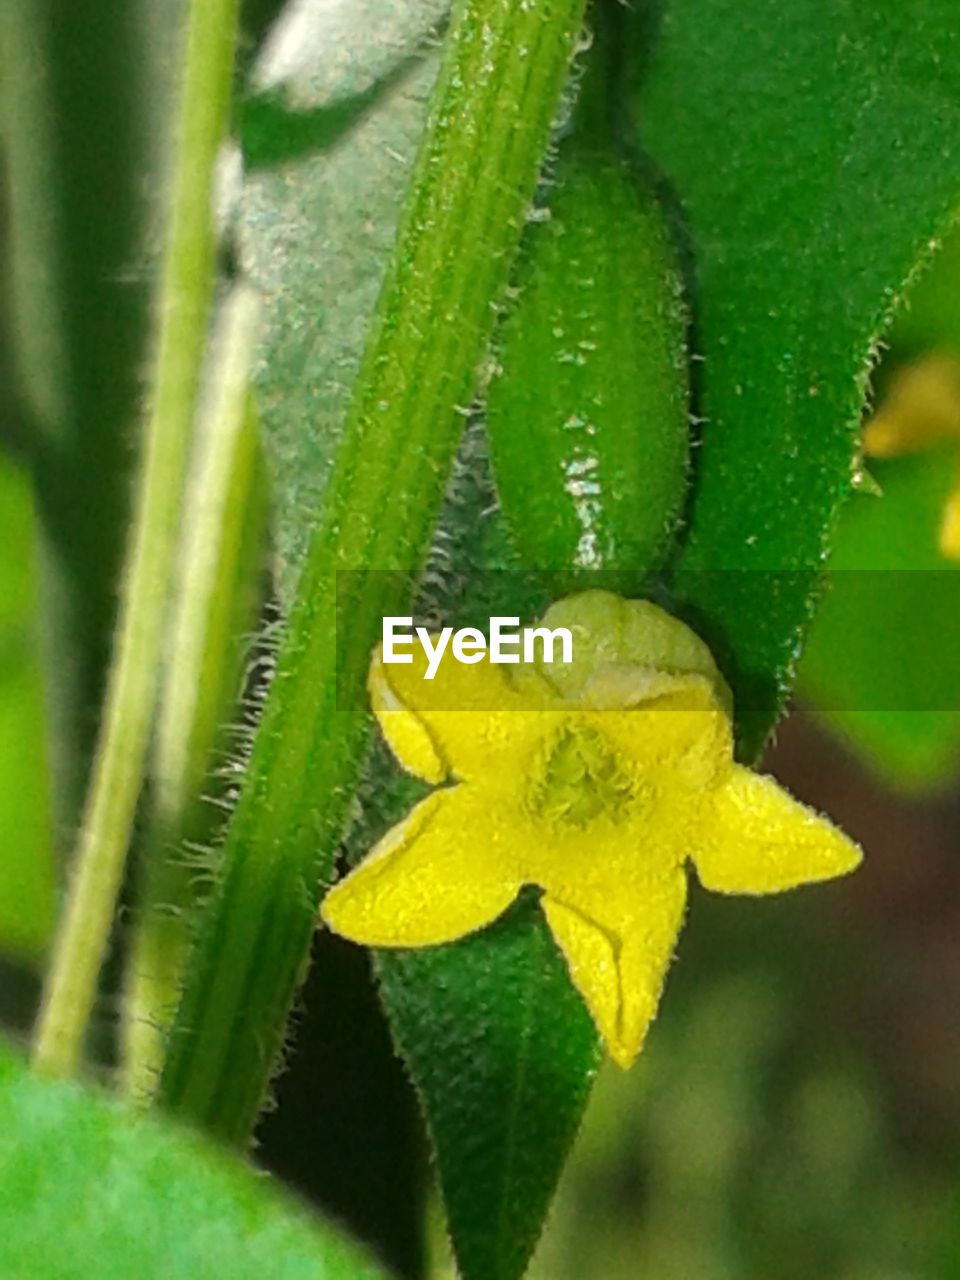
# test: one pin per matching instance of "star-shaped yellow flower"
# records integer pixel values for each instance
(596, 781)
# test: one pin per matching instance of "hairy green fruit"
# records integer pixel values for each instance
(588, 411)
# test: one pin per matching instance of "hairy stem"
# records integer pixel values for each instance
(214, 606)
(502, 74)
(186, 289)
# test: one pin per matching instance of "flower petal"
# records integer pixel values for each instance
(950, 525)
(464, 722)
(619, 969)
(609, 631)
(682, 734)
(434, 877)
(755, 838)
(921, 408)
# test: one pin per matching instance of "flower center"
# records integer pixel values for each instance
(580, 779)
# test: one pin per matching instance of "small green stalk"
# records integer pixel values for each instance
(214, 606)
(503, 71)
(186, 290)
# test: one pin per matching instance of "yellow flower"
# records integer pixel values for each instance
(922, 409)
(596, 781)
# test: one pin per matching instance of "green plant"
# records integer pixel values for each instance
(692, 223)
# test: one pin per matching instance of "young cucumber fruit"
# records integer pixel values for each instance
(587, 413)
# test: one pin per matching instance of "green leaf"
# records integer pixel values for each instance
(321, 52)
(502, 1052)
(812, 150)
(314, 237)
(26, 858)
(90, 1188)
(882, 666)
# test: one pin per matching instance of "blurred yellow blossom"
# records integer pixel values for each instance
(922, 409)
(595, 781)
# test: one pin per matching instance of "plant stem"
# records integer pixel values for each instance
(214, 607)
(502, 74)
(186, 289)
